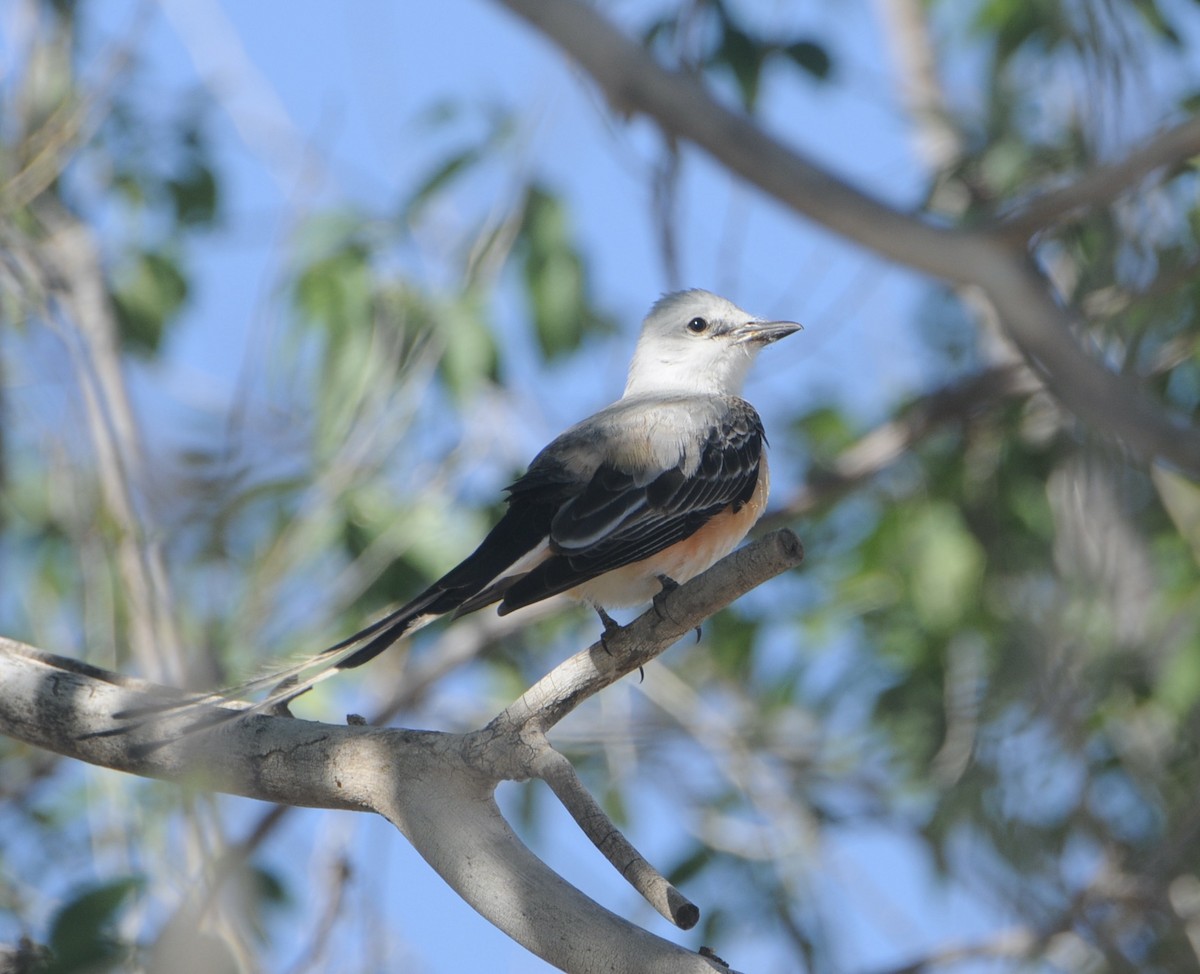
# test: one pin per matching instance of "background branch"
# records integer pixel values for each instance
(1097, 187)
(1029, 311)
(876, 450)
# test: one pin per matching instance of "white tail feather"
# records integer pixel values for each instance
(285, 684)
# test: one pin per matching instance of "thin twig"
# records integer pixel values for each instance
(557, 772)
(1016, 943)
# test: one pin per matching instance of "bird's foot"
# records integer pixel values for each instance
(280, 708)
(668, 586)
(610, 626)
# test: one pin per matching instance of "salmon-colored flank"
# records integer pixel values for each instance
(638, 582)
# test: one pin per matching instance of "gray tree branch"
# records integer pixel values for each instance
(879, 448)
(436, 788)
(72, 262)
(1029, 310)
(1166, 150)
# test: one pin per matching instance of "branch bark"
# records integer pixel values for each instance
(436, 788)
(1031, 315)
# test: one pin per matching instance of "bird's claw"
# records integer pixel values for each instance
(280, 708)
(668, 586)
(610, 626)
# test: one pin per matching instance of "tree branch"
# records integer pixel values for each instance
(1028, 309)
(420, 781)
(1103, 184)
(436, 788)
(71, 259)
(879, 448)
(559, 692)
(557, 772)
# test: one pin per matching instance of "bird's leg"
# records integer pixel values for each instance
(281, 706)
(668, 586)
(610, 626)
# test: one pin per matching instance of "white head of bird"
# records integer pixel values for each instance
(698, 343)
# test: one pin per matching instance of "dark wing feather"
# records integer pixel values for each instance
(620, 518)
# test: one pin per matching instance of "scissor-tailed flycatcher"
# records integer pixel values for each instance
(659, 485)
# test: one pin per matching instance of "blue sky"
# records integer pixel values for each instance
(348, 90)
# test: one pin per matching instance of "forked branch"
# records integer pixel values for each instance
(436, 788)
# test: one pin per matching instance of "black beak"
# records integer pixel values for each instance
(765, 332)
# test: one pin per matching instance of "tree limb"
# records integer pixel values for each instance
(420, 781)
(1103, 184)
(1029, 310)
(436, 788)
(879, 448)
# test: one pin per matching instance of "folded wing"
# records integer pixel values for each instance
(623, 516)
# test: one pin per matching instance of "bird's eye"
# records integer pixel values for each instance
(697, 325)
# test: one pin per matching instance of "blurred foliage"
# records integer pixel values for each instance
(82, 937)
(555, 276)
(712, 37)
(993, 650)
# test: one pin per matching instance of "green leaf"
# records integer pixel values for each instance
(81, 936)
(664, 27)
(744, 57)
(1005, 165)
(471, 356)
(438, 179)
(269, 887)
(148, 293)
(827, 432)
(946, 566)
(554, 276)
(195, 196)
(499, 128)
(1013, 23)
(1178, 684)
(329, 232)
(811, 57)
(1157, 21)
(691, 865)
(334, 292)
(731, 643)
(1181, 498)
(613, 801)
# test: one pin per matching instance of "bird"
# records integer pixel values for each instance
(642, 496)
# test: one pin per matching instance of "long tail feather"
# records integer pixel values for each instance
(283, 684)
